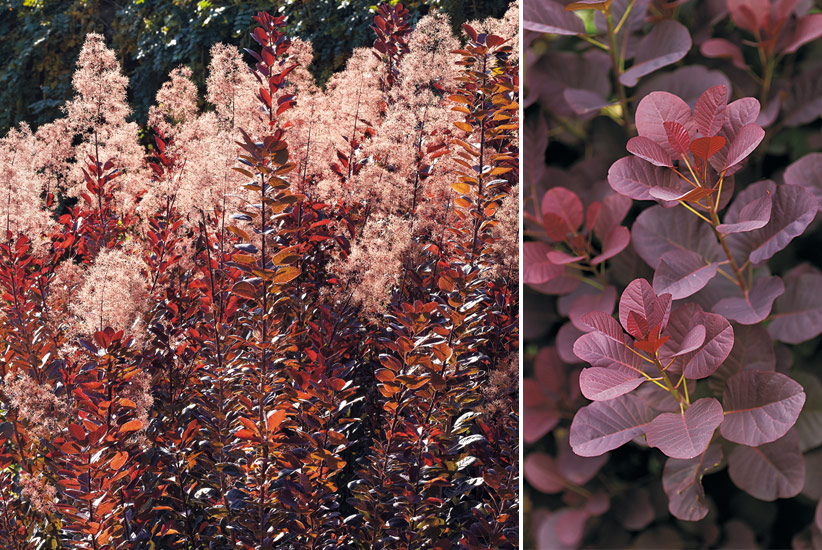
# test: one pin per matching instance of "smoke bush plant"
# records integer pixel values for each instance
(708, 283)
(290, 322)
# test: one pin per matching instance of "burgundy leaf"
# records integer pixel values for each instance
(721, 48)
(575, 468)
(584, 101)
(545, 531)
(686, 434)
(604, 323)
(561, 258)
(570, 526)
(542, 394)
(749, 14)
(633, 178)
(617, 241)
(682, 482)
(797, 314)
(753, 215)
(601, 384)
(755, 305)
(633, 509)
(541, 472)
(807, 172)
(692, 341)
(753, 350)
(678, 137)
(709, 112)
(657, 231)
(745, 141)
(682, 273)
(613, 210)
(771, 471)
(540, 415)
(760, 406)
(793, 210)
(808, 28)
(640, 298)
(550, 17)
(657, 108)
(719, 339)
(537, 268)
(605, 425)
(647, 149)
(667, 43)
(562, 212)
(601, 351)
(601, 301)
(567, 337)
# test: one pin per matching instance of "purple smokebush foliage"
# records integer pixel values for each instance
(671, 263)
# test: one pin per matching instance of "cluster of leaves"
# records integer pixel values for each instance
(189, 369)
(714, 278)
(40, 41)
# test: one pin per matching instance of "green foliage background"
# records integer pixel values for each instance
(41, 39)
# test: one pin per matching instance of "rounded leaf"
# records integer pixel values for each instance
(601, 384)
(605, 425)
(682, 482)
(685, 434)
(683, 273)
(667, 43)
(755, 305)
(771, 471)
(760, 406)
(657, 108)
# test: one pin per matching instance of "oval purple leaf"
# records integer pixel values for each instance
(657, 108)
(682, 482)
(605, 425)
(601, 384)
(575, 468)
(541, 472)
(683, 273)
(743, 144)
(807, 172)
(721, 48)
(667, 43)
(617, 241)
(738, 114)
(760, 407)
(755, 305)
(797, 314)
(794, 208)
(658, 231)
(753, 215)
(537, 268)
(633, 178)
(551, 17)
(648, 149)
(601, 351)
(771, 471)
(686, 434)
(753, 350)
(719, 340)
(601, 301)
(562, 212)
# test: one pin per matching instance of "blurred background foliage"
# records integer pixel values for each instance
(40, 41)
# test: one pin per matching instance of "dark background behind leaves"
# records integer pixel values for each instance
(40, 41)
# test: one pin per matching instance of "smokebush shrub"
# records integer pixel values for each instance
(672, 310)
(290, 323)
